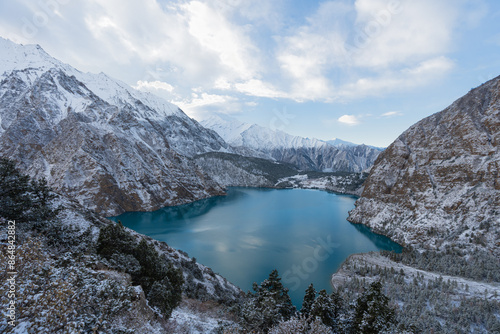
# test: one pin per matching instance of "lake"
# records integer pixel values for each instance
(249, 232)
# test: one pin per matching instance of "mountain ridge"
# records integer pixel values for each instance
(98, 140)
(308, 154)
(440, 178)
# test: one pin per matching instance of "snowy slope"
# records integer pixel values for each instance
(96, 139)
(305, 153)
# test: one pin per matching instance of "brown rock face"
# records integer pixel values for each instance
(438, 183)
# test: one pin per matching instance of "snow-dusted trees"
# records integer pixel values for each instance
(327, 309)
(113, 238)
(161, 282)
(309, 298)
(269, 305)
(22, 198)
(372, 313)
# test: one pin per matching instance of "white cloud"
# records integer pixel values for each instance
(312, 49)
(389, 35)
(147, 85)
(202, 103)
(372, 47)
(391, 114)
(348, 119)
(227, 41)
(241, 47)
(259, 88)
(204, 99)
(393, 81)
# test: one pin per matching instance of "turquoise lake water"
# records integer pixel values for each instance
(245, 235)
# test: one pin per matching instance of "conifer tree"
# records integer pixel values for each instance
(324, 309)
(23, 199)
(113, 238)
(372, 313)
(309, 298)
(269, 305)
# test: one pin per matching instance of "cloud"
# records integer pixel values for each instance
(202, 103)
(402, 32)
(391, 81)
(370, 48)
(348, 119)
(227, 41)
(306, 55)
(259, 88)
(341, 50)
(147, 85)
(391, 114)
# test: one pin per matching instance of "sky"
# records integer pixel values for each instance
(359, 70)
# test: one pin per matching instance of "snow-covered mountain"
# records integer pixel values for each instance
(305, 153)
(438, 185)
(339, 142)
(96, 139)
(254, 136)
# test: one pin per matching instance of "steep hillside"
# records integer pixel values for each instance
(437, 185)
(112, 148)
(305, 153)
(65, 285)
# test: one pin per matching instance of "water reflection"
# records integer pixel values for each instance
(380, 241)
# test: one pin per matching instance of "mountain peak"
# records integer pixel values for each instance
(19, 57)
(96, 139)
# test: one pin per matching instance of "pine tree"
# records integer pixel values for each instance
(372, 313)
(324, 309)
(269, 305)
(41, 196)
(161, 282)
(23, 199)
(309, 298)
(113, 238)
(14, 191)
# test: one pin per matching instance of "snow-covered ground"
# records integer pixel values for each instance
(465, 288)
(186, 319)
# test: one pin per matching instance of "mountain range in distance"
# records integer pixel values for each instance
(308, 154)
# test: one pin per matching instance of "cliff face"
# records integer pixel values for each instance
(438, 183)
(112, 148)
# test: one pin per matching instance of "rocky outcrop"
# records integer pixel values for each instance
(112, 148)
(438, 184)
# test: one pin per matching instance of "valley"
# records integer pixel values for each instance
(105, 149)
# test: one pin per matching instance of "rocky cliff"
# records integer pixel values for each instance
(438, 184)
(97, 140)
